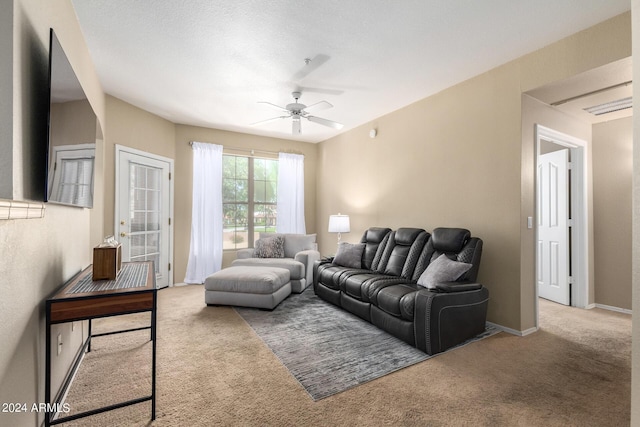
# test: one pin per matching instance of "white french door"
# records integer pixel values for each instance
(553, 227)
(144, 210)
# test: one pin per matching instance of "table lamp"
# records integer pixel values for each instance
(339, 224)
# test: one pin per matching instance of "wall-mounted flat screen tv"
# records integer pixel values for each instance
(72, 134)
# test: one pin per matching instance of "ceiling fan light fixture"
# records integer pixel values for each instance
(296, 110)
(610, 107)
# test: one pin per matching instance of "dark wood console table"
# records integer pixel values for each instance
(133, 291)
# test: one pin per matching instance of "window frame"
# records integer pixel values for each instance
(251, 202)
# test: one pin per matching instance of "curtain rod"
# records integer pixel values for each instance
(253, 151)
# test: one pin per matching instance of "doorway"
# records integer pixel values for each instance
(561, 218)
(144, 210)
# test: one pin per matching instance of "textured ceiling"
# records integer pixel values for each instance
(208, 63)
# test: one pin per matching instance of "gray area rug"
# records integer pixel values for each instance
(327, 349)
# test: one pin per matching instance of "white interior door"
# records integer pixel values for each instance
(553, 227)
(143, 212)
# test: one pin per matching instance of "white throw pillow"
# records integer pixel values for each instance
(441, 270)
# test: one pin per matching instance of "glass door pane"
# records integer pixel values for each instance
(145, 213)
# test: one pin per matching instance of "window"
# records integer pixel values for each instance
(74, 186)
(71, 178)
(248, 199)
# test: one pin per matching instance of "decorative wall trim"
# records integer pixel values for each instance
(513, 331)
(13, 209)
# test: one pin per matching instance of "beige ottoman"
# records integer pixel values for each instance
(244, 286)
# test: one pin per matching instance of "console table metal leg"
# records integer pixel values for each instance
(153, 356)
(47, 374)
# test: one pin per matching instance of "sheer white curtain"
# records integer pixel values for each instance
(205, 253)
(290, 194)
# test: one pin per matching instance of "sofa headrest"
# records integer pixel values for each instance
(406, 236)
(375, 234)
(450, 239)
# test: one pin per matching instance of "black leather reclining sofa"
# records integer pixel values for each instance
(384, 290)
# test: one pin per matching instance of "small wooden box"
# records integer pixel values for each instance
(106, 263)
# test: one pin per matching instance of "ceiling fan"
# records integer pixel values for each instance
(297, 111)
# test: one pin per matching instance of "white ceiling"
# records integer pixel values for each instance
(207, 63)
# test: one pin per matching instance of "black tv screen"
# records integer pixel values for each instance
(71, 135)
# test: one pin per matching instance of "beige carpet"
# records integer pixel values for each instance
(214, 370)
(329, 350)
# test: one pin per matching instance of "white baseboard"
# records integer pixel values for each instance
(513, 331)
(534, 329)
(612, 308)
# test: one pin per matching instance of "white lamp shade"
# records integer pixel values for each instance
(339, 224)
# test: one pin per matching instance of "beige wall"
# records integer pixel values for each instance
(635, 327)
(612, 178)
(428, 168)
(230, 141)
(132, 127)
(458, 158)
(72, 122)
(36, 255)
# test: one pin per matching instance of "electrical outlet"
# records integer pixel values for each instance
(59, 344)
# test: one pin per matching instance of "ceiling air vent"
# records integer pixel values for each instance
(610, 107)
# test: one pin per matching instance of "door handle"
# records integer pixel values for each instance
(123, 234)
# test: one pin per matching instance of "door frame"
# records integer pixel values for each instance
(579, 212)
(123, 149)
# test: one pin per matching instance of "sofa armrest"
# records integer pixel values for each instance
(457, 286)
(445, 319)
(308, 258)
(245, 253)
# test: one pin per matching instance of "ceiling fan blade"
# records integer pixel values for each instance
(311, 66)
(325, 122)
(262, 122)
(277, 107)
(323, 91)
(296, 129)
(319, 106)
